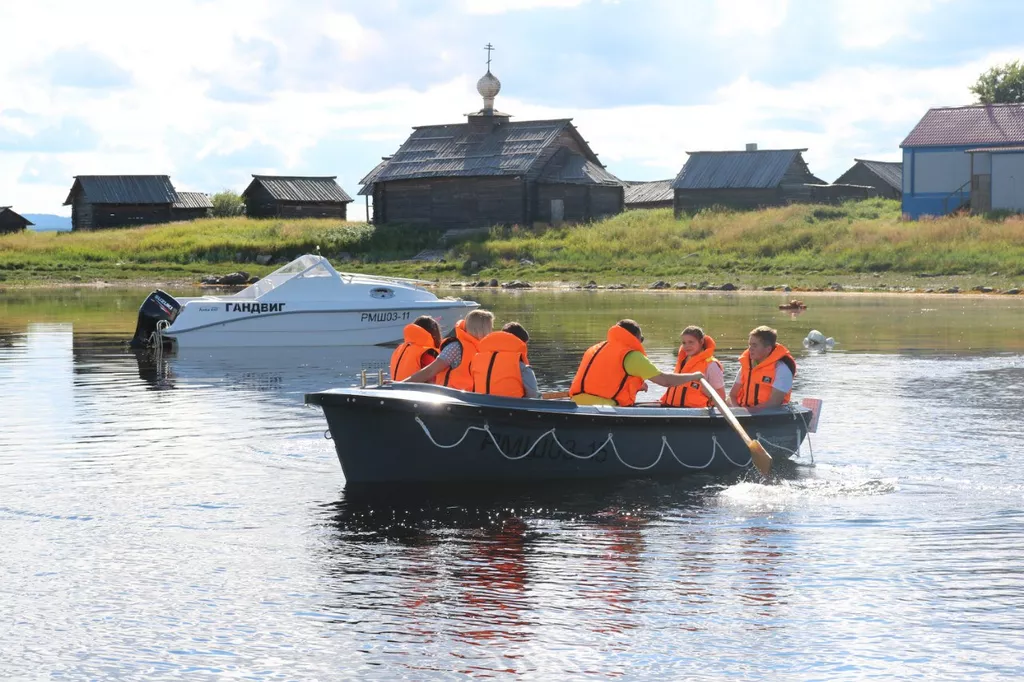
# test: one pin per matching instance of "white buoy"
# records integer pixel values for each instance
(817, 340)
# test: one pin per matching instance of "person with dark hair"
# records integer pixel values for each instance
(422, 339)
(614, 371)
(501, 366)
(766, 373)
(696, 354)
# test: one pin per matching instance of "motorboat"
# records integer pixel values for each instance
(424, 433)
(304, 303)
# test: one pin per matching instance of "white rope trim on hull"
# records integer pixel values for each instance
(610, 440)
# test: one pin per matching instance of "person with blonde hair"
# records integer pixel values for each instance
(766, 375)
(452, 366)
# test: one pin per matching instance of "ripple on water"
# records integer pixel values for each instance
(184, 518)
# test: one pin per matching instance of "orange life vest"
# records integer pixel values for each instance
(757, 383)
(460, 377)
(408, 357)
(495, 367)
(690, 395)
(602, 372)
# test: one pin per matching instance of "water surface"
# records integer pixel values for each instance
(183, 517)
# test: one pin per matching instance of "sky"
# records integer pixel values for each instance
(212, 91)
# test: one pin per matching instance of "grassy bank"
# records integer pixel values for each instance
(803, 246)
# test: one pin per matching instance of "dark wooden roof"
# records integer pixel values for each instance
(299, 188)
(648, 192)
(372, 176)
(978, 124)
(123, 189)
(889, 172)
(569, 168)
(465, 150)
(760, 169)
(7, 213)
(192, 200)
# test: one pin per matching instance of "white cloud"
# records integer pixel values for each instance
(503, 6)
(168, 122)
(841, 108)
(748, 17)
(867, 24)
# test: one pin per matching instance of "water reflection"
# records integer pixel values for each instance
(280, 371)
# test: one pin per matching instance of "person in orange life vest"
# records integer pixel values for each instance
(451, 368)
(501, 366)
(614, 371)
(422, 339)
(766, 372)
(697, 354)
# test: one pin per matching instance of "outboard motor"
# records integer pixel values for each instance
(158, 307)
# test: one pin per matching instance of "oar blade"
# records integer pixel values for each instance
(762, 460)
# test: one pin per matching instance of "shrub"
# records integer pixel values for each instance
(227, 204)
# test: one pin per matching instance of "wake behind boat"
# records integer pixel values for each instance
(304, 303)
(418, 433)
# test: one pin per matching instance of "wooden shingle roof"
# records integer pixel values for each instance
(889, 172)
(192, 200)
(7, 212)
(648, 192)
(299, 188)
(463, 150)
(123, 189)
(760, 169)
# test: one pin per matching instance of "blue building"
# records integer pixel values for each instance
(965, 157)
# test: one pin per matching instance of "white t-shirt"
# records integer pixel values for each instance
(783, 378)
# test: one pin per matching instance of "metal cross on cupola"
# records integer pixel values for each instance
(489, 48)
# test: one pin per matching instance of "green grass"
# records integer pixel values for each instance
(794, 244)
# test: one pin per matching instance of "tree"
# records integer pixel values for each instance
(227, 204)
(1001, 84)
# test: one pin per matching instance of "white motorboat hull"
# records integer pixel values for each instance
(304, 303)
(309, 328)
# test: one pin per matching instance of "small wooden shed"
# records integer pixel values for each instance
(102, 201)
(11, 221)
(885, 176)
(295, 196)
(652, 194)
(743, 179)
(191, 205)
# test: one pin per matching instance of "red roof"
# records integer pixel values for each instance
(978, 124)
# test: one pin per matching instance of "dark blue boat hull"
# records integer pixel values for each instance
(413, 433)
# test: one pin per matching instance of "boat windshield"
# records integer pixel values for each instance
(303, 266)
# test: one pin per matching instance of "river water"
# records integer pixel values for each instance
(184, 518)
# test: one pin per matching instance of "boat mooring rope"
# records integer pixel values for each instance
(610, 440)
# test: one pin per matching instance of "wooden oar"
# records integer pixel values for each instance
(554, 395)
(762, 460)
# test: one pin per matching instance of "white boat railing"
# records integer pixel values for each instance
(383, 279)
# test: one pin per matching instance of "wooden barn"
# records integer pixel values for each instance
(492, 171)
(743, 179)
(653, 194)
(293, 196)
(884, 176)
(366, 191)
(102, 201)
(191, 205)
(11, 221)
